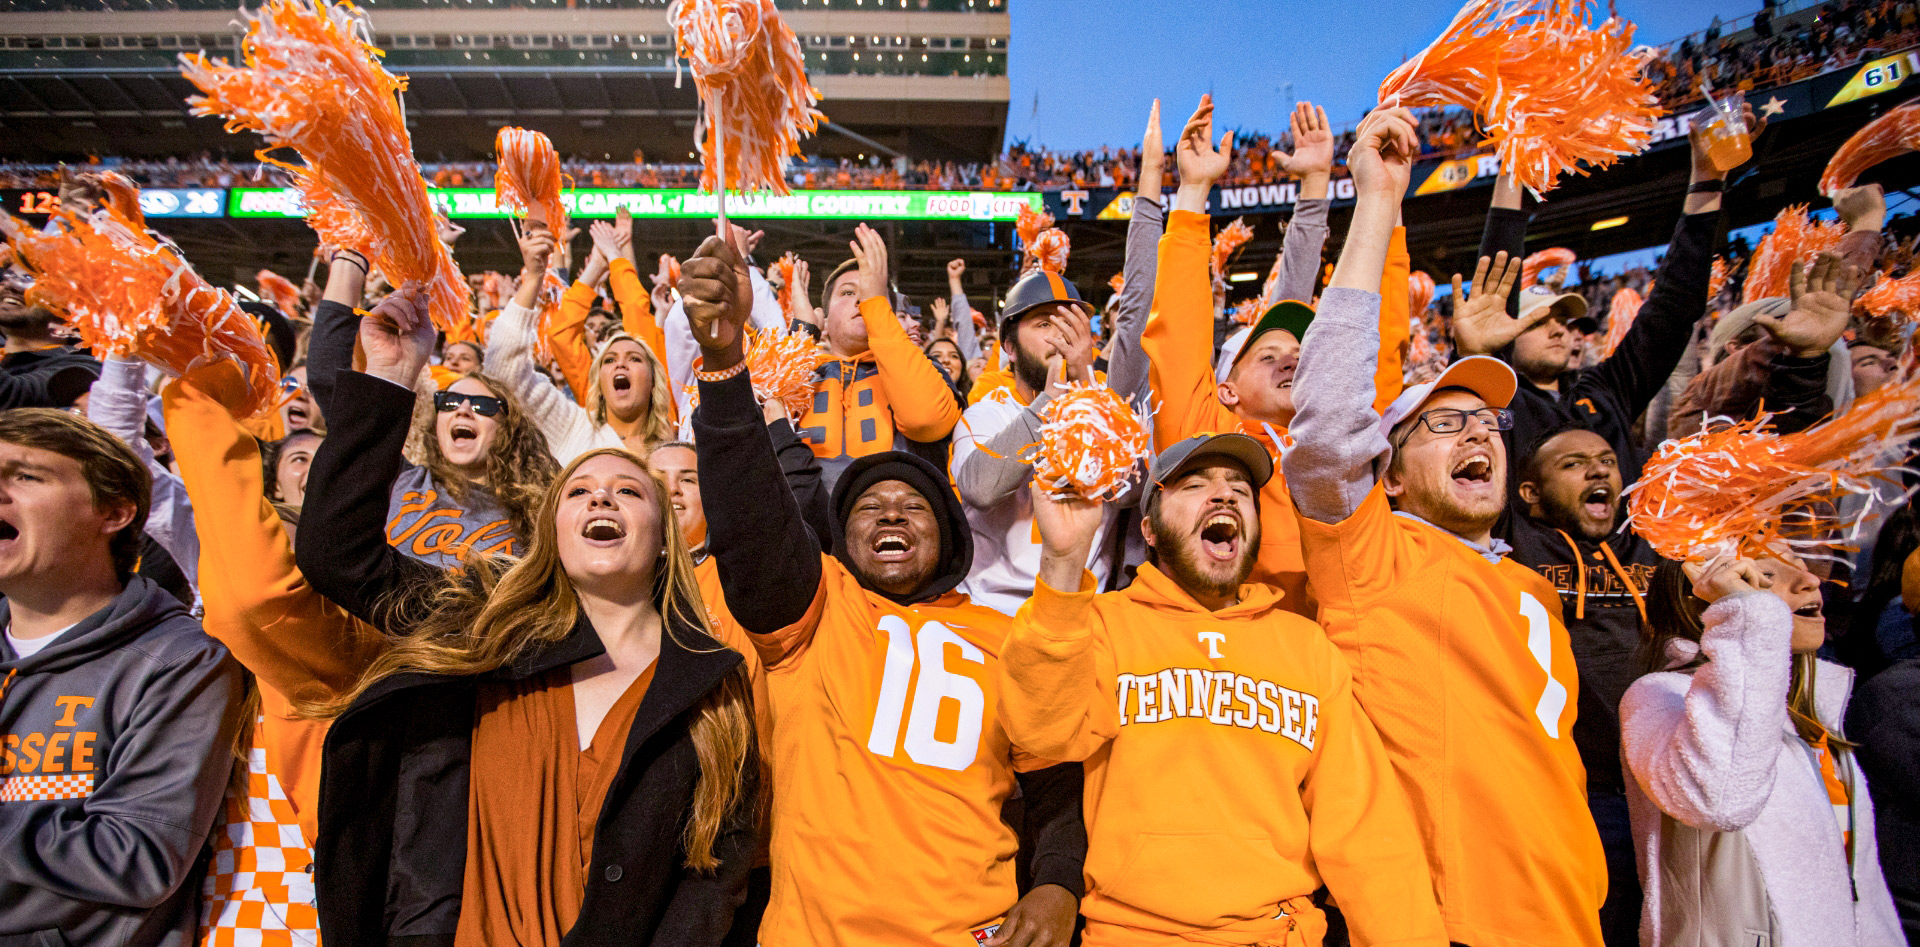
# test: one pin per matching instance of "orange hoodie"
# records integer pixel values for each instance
(298, 645)
(1178, 341)
(859, 403)
(567, 333)
(1230, 773)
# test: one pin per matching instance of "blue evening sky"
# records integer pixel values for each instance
(1096, 65)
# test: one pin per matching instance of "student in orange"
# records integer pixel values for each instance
(880, 392)
(1249, 388)
(299, 647)
(1230, 773)
(886, 810)
(1459, 655)
(611, 260)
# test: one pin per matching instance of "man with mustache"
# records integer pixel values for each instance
(1230, 772)
(1459, 655)
(886, 810)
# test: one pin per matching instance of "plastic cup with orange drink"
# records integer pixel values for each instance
(1729, 142)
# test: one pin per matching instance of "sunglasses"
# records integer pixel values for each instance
(444, 401)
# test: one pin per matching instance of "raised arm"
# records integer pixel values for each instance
(1336, 429)
(750, 510)
(335, 326)
(343, 549)
(118, 402)
(1178, 340)
(510, 353)
(1129, 373)
(1306, 237)
(567, 333)
(964, 334)
(920, 397)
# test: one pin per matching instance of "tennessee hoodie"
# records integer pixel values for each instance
(118, 744)
(1230, 772)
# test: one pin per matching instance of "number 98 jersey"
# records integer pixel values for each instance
(889, 770)
(1465, 669)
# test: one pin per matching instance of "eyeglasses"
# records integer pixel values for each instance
(1454, 420)
(444, 401)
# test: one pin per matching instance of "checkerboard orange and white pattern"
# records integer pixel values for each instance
(259, 890)
(44, 787)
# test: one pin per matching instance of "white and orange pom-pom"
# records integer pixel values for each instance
(1029, 223)
(1553, 90)
(1889, 136)
(528, 180)
(124, 196)
(1245, 311)
(1717, 277)
(280, 292)
(1226, 243)
(1795, 239)
(311, 84)
(752, 75)
(1049, 251)
(789, 290)
(1538, 263)
(1897, 300)
(1420, 290)
(128, 294)
(782, 366)
(1118, 282)
(1090, 443)
(1744, 490)
(1621, 312)
(494, 291)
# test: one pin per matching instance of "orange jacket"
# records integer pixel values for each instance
(890, 769)
(567, 333)
(1467, 671)
(298, 644)
(1178, 341)
(859, 403)
(1230, 772)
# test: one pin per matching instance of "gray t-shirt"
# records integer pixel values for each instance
(426, 523)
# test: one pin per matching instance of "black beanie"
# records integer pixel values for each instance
(956, 540)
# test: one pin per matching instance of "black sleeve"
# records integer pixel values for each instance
(1660, 334)
(1054, 829)
(330, 350)
(1506, 230)
(805, 478)
(36, 387)
(343, 547)
(1795, 393)
(760, 541)
(701, 911)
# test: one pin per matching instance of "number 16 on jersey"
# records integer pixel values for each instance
(921, 659)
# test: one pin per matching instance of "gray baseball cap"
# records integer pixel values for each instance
(1189, 454)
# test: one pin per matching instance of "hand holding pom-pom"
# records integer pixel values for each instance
(1090, 442)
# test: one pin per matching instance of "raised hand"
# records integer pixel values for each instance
(1067, 526)
(623, 232)
(447, 230)
(1153, 156)
(1822, 299)
(1312, 143)
(803, 293)
(397, 336)
(871, 253)
(718, 295)
(1719, 578)
(1481, 325)
(607, 240)
(955, 270)
(663, 288)
(1863, 207)
(940, 316)
(536, 249)
(1384, 148)
(1073, 339)
(1199, 161)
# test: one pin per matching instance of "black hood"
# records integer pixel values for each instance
(956, 538)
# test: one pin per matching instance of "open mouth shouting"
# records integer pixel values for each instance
(1220, 537)
(1597, 502)
(892, 545)
(297, 414)
(1474, 470)
(1809, 610)
(463, 433)
(603, 530)
(621, 380)
(8, 534)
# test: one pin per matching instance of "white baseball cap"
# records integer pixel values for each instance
(1490, 378)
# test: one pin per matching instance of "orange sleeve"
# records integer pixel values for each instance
(1395, 324)
(922, 404)
(1057, 676)
(1178, 339)
(567, 338)
(1354, 561)
(636, 307)
(297, 643)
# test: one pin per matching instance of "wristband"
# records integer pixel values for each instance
(723, 374)
(1716, 186)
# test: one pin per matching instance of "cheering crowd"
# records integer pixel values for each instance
(552, 629)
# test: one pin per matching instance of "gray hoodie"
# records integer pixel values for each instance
(118, 747)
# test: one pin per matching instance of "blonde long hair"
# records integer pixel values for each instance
(657, 427)
(495, 611)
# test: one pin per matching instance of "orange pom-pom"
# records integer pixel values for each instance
(1226, 243)
(1889, 136)
(1744, 490)
(128, 294)
(1538, 263)
(494, 291)
(1029, 223)
(789, 298)
(280, 292)
(752, 75)
(1620, 315)
(528, 180)
(1049, 251)
(1552, 91)
(124, 197)
(1090, 442)
(782, 366)
(1245, 311)
(1895, 299)
(1795, 239)
(1717, 277)
(1419, 292)
(313, 85)
(1118, 282)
